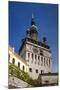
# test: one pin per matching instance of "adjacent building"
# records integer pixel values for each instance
(17, 60)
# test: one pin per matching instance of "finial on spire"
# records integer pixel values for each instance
(33, 20)
(32, 16)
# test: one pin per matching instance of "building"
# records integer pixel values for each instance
(34, 56)
(15, 59)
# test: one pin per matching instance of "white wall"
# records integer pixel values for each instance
(46, 54)
(17, 59)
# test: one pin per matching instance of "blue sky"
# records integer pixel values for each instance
(46, 17)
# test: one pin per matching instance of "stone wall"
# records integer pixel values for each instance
(49, 78)
(17, 83)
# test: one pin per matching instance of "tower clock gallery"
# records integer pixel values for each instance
(36, 54)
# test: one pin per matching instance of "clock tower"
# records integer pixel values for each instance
(37, 54)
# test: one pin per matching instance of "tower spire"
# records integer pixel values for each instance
(33, 20)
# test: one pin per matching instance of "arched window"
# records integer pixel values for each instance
(35, 58)
(32, 55)
(42, 71)
(38, 59)
(44, 61)
(41, 60)
(30, 69)
(23, 68)
(28, 55)
(18, 64)
(36, 70)
(13, 61)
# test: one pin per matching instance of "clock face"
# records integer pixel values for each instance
(29, 47)
(35, 50)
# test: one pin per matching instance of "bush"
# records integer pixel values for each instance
(15, 71)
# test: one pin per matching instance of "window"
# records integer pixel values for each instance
(36, 70)
(47, 62)
(44, 61)
(38, 59)
(18, 64)
(41, 60)
(42, 71)
(46, 81)
(35, 58)
(30, 69)
(23, 68)
(13, 61)
(28, 55)
(32, 55)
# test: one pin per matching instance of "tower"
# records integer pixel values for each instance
(37, 54)
(32, 32)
